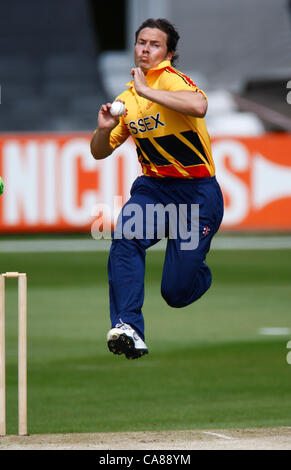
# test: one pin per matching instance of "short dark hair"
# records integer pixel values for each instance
(168, 28)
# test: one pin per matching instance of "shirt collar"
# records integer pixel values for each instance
(162, 65)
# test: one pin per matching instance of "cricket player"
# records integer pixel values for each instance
(165, 117)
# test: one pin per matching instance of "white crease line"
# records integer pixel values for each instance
(274, 331)
(223, 436)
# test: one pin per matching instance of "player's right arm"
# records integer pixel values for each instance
(100, 142)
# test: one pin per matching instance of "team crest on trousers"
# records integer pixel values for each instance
(206, 231)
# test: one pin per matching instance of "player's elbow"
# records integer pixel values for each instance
(201, 108)
(99, 153)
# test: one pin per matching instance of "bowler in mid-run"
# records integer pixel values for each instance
(165, 117)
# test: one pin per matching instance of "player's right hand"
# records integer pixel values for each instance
(105, 119)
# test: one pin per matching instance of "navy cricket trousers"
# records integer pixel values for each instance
(186, 277)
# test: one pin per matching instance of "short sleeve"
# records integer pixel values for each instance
(173, 80)
(119, 134)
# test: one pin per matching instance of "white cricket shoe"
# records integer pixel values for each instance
(122, 339)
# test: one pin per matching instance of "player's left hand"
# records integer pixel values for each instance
(139, 79)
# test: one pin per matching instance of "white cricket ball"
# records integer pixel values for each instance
(117, 108)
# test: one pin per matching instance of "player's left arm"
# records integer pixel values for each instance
(192, 102)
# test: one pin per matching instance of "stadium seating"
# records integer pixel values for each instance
(48, 67)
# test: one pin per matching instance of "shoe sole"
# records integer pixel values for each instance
(123, 344)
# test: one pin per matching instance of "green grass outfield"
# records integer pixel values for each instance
(208, 367)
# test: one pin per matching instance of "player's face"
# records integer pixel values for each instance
(151, 48)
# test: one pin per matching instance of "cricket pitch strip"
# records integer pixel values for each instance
(228, 439)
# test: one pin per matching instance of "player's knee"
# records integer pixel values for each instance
(173, 297)
(181, 296)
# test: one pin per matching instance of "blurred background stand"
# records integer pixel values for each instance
(48, 66)
(59, 61)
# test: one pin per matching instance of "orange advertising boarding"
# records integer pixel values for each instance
(52, 183)
(255, 175)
